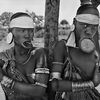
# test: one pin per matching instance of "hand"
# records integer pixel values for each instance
(54, 84)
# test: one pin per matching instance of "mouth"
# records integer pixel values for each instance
(87, 45)
(27, 44)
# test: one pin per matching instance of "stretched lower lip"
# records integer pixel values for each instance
(27, 43)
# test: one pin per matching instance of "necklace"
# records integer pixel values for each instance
(26, 61)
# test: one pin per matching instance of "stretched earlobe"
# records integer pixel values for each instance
(72, 27)
(9, 38)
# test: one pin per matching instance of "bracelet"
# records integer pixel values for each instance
(91, 84)
(12, 85)
(7, 82)
(42, 71)
(81, 86)
(41, 84)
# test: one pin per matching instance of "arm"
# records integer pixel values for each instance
(57, 67)
(59, 84)
(41, 78)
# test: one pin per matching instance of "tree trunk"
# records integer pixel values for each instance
(51, 26)
(51, 34)
(51, 22)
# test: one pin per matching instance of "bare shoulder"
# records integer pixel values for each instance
(60, 43)
(60, 47)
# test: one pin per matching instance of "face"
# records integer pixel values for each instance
(85, 36)
(86, 27)
(23, 36)
(85, 30)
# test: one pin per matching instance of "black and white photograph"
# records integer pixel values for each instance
(50, 50)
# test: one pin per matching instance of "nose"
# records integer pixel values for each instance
(27, 34)
(90, 30)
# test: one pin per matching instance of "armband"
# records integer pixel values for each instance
(76, 86)
(41, 84)
(7, 82)
(57, 66)
(57, 63)
(42, 71)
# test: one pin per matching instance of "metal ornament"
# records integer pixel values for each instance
(87, 45)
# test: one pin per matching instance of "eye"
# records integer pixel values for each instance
(95, 26)
(22, 30)
(84, 25)
(31, 30)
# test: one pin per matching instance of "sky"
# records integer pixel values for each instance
(67, 11)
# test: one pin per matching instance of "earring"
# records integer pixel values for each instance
(72, 27)
(9, 38)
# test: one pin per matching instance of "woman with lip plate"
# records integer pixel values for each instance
(76, 64)
(23, 68)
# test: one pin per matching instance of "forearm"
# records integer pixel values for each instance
(23, 88)
(65, 85)
(32, 89)
(61, 85)
(29, 89)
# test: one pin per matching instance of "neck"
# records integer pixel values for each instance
(20, 50)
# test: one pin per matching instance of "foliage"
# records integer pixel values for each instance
(63, 22)
(5, 17)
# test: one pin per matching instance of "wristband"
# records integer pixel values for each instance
(76, 86)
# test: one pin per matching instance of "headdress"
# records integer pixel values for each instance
(84, 2)
(92, 2)
(19, 20)
(22, 22)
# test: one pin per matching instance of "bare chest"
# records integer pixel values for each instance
(26, 68)
(85, 62)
